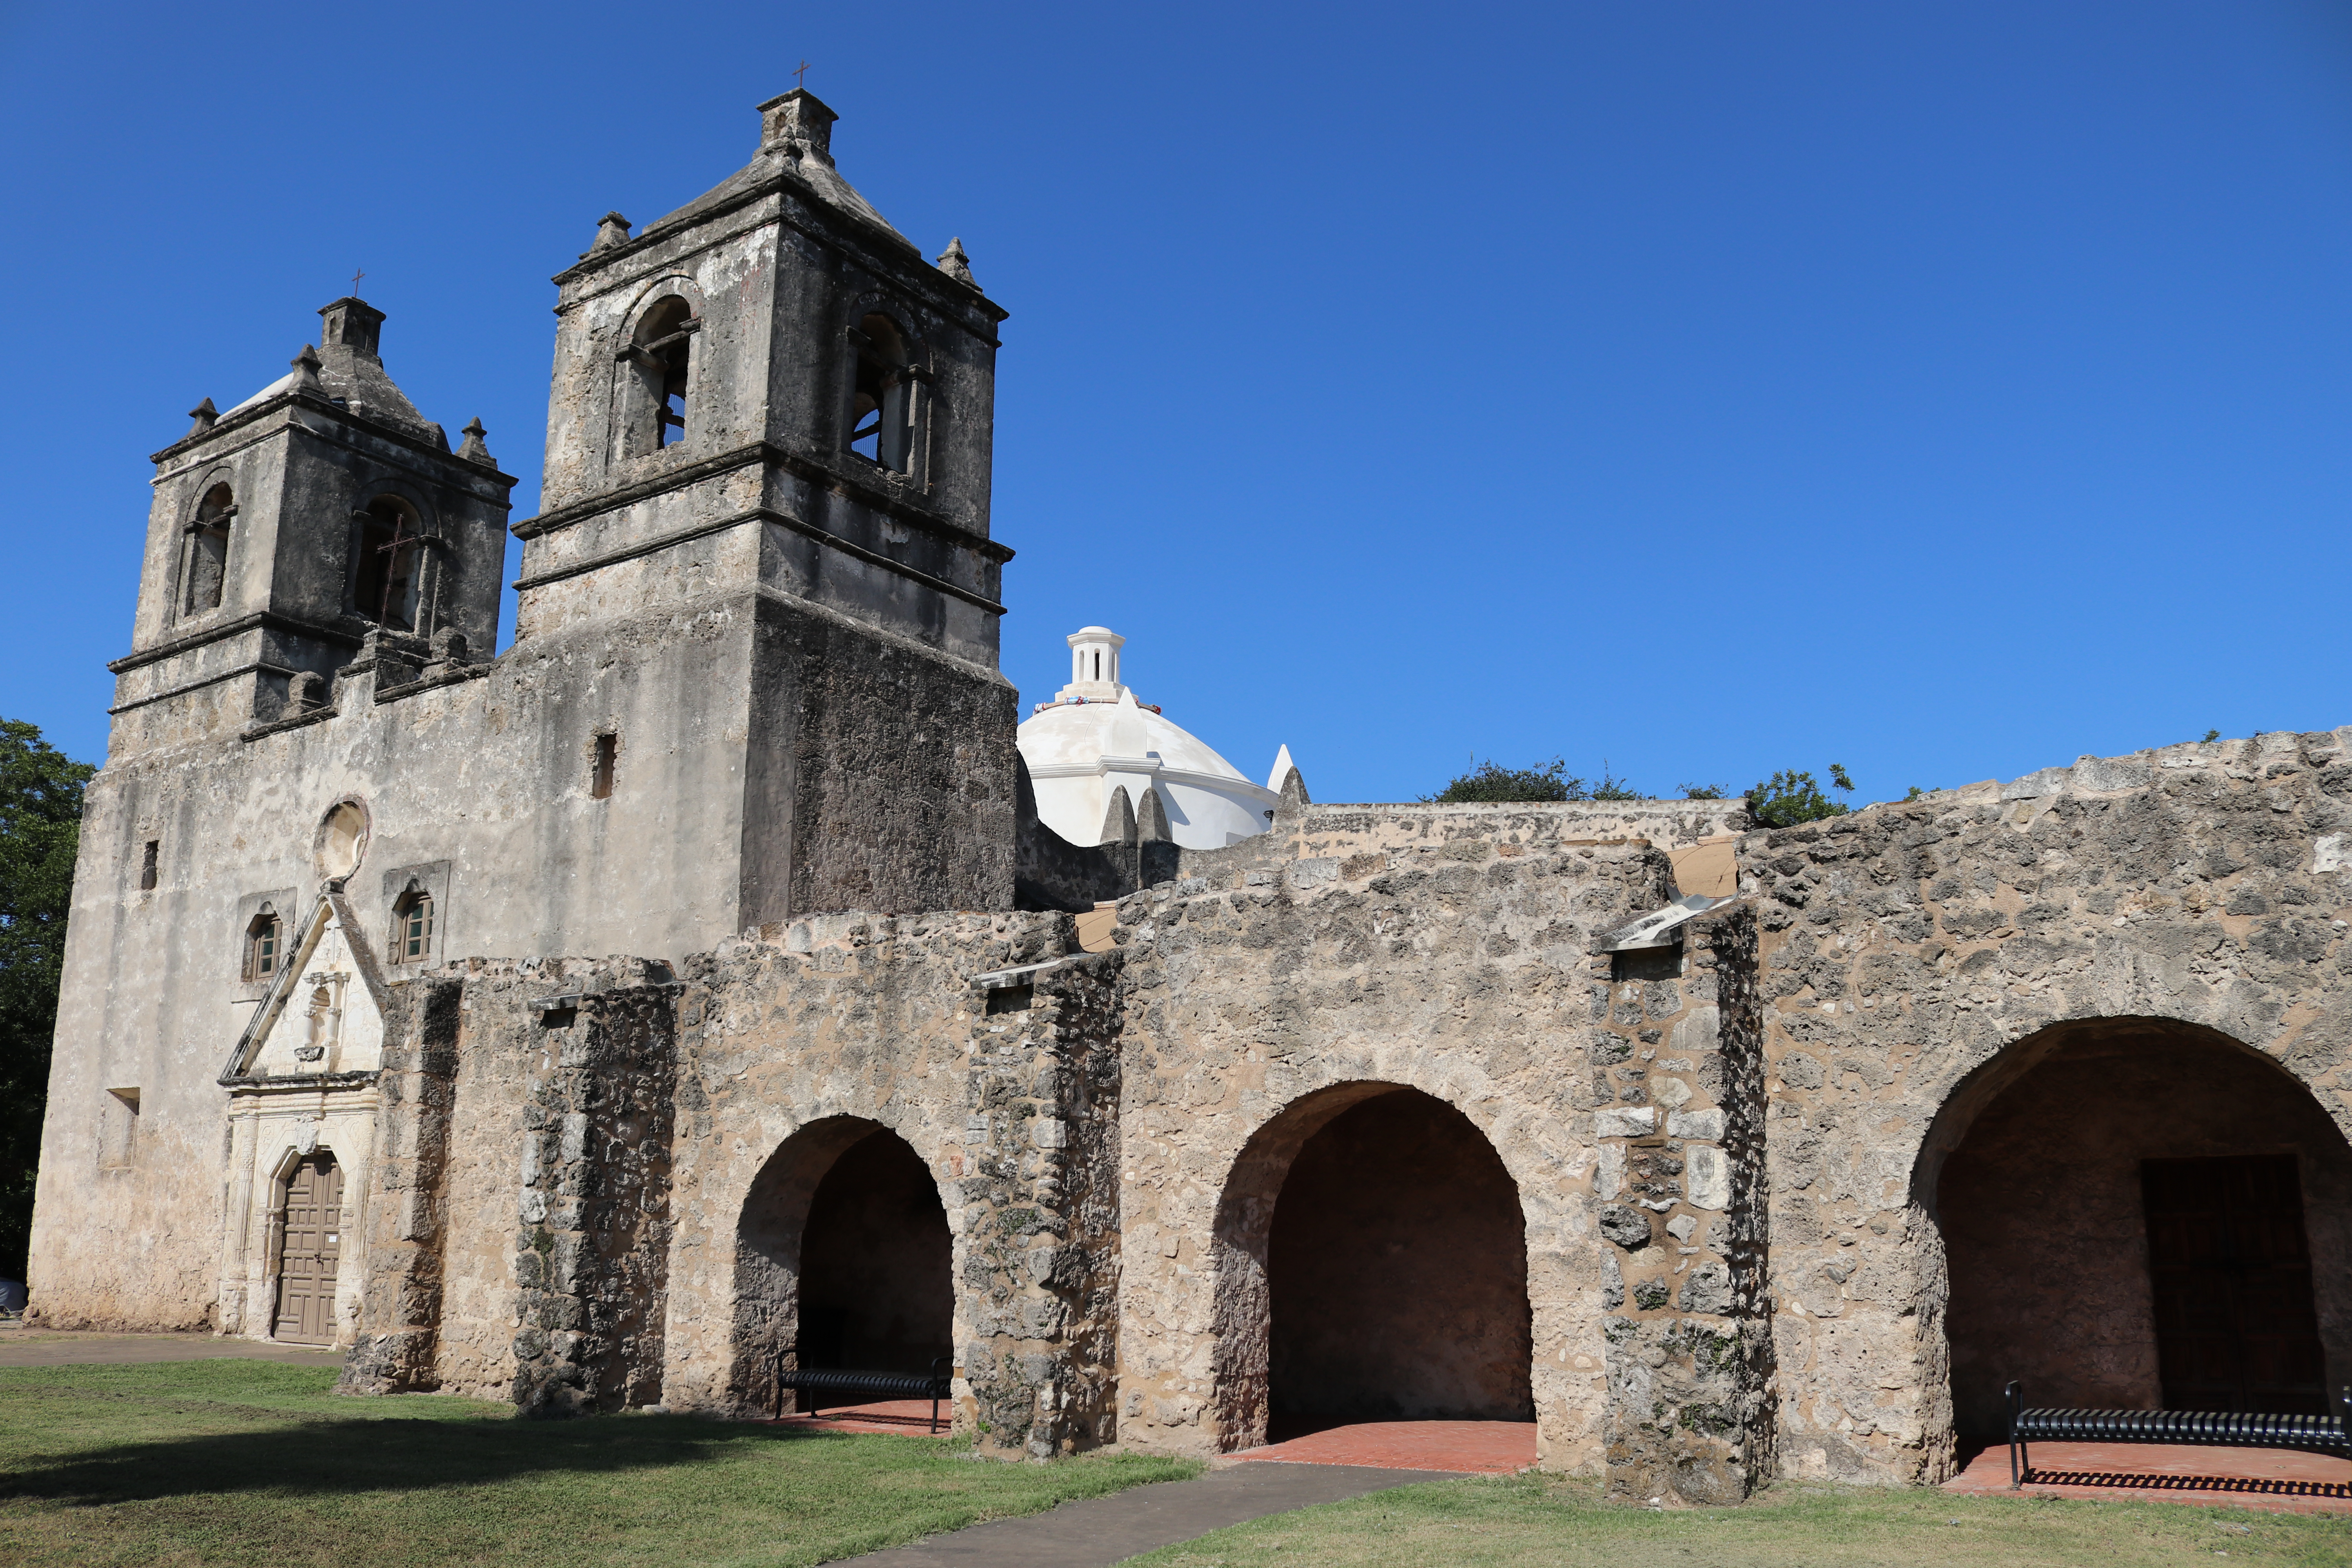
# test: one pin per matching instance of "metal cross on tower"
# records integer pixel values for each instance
(802, 73)
(389, 552)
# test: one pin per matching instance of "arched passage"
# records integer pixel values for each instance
(843, 1259)
(1372, 1260)
(2141, 1214)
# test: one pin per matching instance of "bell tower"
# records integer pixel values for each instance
(768, 459)
(319, 515)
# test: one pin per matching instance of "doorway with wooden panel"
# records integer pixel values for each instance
(2230, 1271)
(310, 1248)
(2142, 1214)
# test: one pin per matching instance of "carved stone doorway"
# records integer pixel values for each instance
(310, 1251)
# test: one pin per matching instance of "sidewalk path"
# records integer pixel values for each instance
(1099, 1532)
(62, 1347)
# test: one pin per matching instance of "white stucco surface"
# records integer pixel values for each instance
(1094, 737)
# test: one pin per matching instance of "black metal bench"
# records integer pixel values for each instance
(936, 1386)
(2218, 1428)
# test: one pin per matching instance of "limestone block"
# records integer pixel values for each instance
(1703, 1124)
(1706, 1178)
(1624, 1121)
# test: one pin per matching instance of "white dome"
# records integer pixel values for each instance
(1094, 738)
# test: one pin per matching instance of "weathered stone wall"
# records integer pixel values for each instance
(857, 1022)
(1445, 949)
(592, 1259)
(402, 1248)
(1914, 960)
(1675, 1052)
(488, 779)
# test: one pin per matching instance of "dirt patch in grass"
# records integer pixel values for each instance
(243, 1462)
(1525, 1521)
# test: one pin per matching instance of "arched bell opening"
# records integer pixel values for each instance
(2141, 1214)
(1372, 1258)
(843, 1261)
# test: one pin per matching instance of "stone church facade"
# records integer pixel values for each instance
(1717, 1153)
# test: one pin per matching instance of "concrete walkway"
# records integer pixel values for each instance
(62, 1347)
(1099, 1532)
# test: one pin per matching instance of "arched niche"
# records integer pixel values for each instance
(843, 1259)
(2090, 1187)
(1370, 1258)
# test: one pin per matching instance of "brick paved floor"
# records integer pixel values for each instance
(909, 1416)
(2277, 1481)
(1477, 1447)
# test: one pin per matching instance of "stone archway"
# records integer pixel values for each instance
(2103, 1189)
(1372, 1264)
(306, 1215)
(843, 1259)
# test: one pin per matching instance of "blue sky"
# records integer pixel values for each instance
(1944, 390)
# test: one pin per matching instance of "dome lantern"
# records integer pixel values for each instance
(1095, 739)
(1094, 667)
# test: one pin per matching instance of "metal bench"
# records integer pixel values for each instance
(2218, 1428)
(934, 1387)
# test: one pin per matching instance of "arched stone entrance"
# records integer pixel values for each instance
(843, 1259)
(309, 1223)
(1372, 1264)
(2141, 1214)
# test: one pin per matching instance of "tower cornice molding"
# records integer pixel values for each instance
(250, 424)
(812, 216)
(257, 620)
(833, 479)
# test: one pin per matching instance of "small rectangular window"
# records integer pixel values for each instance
(1647, 963)
(147, 866)
(411, 928)
(118, 1128)
(264, 935)
(600, 778)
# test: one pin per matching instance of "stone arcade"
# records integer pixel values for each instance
(1717, 1154)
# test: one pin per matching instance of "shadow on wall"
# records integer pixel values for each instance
(2139, 1214)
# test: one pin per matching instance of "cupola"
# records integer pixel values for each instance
(1094, 667)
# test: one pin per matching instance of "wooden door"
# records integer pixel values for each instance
(307, 1257)
(2236, 1327)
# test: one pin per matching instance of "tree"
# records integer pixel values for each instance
(1788, 798)
(40, 831)
(1492, 783)
(1489, 781)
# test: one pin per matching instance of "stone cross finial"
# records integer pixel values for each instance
(474, 450)
(956, 264)
(205, 416)
(612, 229)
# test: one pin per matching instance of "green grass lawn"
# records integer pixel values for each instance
(1531, 1520)
(252, 1462)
